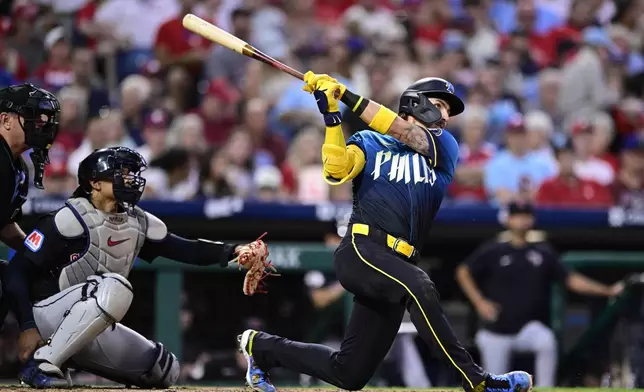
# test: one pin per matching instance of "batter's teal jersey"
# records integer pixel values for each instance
(400, 190)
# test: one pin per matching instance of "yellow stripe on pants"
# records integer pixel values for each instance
(355, 247)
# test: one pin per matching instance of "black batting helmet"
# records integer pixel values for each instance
(120, 165)
(414, 100)
(40, 112)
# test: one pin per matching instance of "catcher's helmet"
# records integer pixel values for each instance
(414, 100)
(40, 112)
(120, 165)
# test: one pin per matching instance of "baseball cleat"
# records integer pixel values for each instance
(256, 379)
(516, 381)
(43, 375)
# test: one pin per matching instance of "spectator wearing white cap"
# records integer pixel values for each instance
(603, 136)
(540, 129)
(267, 180)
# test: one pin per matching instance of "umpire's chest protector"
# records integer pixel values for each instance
(113, 240)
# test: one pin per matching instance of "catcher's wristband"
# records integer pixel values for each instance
(356, 103)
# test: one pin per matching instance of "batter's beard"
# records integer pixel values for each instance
(439, 124)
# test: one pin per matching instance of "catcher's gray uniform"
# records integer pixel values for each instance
(76, 262)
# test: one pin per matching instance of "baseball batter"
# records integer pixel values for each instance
(69, 284)
(400, 175)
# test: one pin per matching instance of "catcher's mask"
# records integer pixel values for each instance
(39, 112)
(120, 165)
(415, 102)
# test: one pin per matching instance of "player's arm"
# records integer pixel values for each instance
(341, 162)
(160, 242)
(379, 117)
(12, 235)
(43, 248)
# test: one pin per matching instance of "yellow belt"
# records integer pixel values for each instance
(397, 244)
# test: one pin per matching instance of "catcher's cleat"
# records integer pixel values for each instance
(43, 375)
(256, 379)
(517, 381)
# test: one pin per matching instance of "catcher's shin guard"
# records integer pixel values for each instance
(256, 379)
(105, 301)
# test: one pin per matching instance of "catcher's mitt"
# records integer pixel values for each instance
(253, 257)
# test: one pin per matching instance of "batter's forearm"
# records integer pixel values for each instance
(385, 121)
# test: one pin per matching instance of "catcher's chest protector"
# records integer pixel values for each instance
(114, 241)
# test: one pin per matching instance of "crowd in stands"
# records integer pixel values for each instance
(554, 91)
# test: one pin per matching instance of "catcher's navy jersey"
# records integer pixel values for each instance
(399, 190)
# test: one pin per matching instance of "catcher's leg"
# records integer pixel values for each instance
(100, 302)
(122, 355)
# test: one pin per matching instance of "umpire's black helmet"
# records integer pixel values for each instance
(414, 102)
(40, 112)
(120, 165)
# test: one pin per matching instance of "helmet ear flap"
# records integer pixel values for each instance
(420, 107)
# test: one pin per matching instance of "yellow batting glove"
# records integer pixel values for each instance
(312, 80)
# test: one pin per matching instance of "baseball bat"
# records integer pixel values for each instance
(222, 37)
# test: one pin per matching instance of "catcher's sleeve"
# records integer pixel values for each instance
(196, 252)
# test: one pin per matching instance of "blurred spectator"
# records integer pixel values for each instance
(135, 22)
(515, 172)
(155, 132)
(508, 16)
(24, 37)
(584, 82)
(57, 72)
(474, 152)
(95, 137)
(216, 180)
(567, 190)
(304, 158)
(373, 20)
(187, 132)
(629, 185)
(587, 166)
(540, 130)
(267, 181)
(175, 45)
(265, 142)
(73, 116)
(114, 127)
(12, 66)
(603, 137)
(168, 176)
(239, 150)
(179, 95)
(223, 62)
(135, 93)
(218, 111)
(85, 78)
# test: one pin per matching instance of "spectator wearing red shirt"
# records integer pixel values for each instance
(538, 45)
(588, 166)
(175, 45)
(474, 152)
(57, 72)
(568, 190)
(629, 184)
(218, 110)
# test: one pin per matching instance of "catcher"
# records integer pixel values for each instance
(69, 285)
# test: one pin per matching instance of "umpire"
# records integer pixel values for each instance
(28, 120)
(509, 280)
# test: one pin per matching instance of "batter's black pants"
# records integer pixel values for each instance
(384, 285)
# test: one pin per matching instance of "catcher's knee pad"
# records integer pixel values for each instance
(164, 371)
(114, 295)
